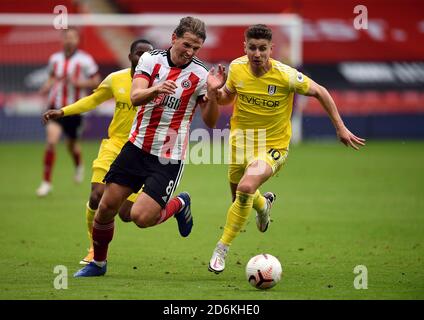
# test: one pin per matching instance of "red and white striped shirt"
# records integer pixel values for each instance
(162, 126)
(79, 66)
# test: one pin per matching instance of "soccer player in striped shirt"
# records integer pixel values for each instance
(263, 90)
(167, 87)
(72, 73)
(116, 85)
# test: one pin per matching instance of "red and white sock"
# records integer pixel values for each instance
(172, 207)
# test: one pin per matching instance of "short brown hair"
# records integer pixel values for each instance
(258, 31)
(192, 25)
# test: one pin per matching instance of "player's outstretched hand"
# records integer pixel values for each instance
(51, 115)
(216, 78)
(349, 139)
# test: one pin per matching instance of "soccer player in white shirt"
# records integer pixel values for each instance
(72, 75)
(167, 87)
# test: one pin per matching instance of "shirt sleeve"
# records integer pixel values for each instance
(298, 82)
(101, 94)
(106, 86)
(144, 67)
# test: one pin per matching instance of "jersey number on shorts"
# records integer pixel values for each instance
(168, 190)
(169, 187)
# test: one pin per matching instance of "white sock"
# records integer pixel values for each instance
(100, 263)
(182, 203)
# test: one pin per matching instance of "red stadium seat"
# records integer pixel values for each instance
(30, 6)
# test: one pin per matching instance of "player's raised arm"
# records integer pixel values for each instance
(226, 94)
(327, 102)
(225, 97)
(209, 107)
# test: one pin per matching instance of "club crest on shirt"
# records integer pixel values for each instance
(272, 89)
(186, 84)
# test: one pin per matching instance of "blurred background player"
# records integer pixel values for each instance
(263, 90)
(116, 85)
(167, 86)
(72, 73)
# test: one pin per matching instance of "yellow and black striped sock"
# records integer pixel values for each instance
(237, 216)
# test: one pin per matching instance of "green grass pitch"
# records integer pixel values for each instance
(336, 209)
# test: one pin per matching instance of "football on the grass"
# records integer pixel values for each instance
(263, 271)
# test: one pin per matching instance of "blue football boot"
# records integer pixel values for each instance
(184, 217)
(91, 270)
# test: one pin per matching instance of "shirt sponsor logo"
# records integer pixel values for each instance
(125, 106)
(168, 101)
(259, 101)
(383, 73)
